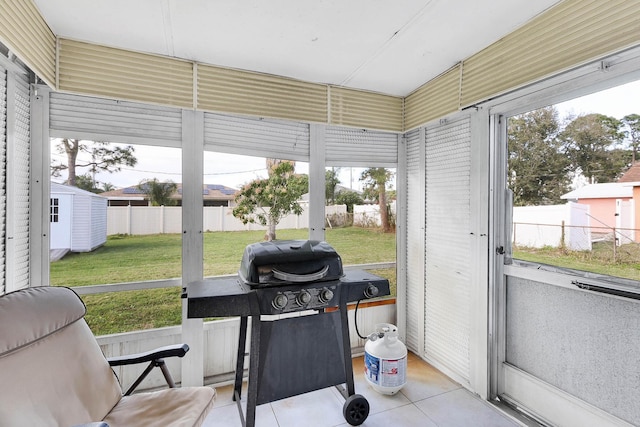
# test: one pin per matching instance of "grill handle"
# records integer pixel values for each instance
(300, 278)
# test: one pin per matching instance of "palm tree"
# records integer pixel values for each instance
(159, 193)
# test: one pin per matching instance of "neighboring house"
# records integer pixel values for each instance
(212, 195)
(603, 200)
(632, 175)
(78, 219)
(615, 204)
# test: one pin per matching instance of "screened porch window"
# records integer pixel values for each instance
(575, 175)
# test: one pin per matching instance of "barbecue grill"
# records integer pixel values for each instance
(290, 355)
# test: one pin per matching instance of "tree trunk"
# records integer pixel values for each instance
(271, 231)
(71, 148)
(384, 213)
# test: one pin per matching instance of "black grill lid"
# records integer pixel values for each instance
(282, 262)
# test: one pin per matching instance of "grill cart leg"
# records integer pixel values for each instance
(356, 407)
(254, 369)
(242, 339)
(254, 357)
(346, 348)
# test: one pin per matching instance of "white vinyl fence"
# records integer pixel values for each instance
(539, 226)
(369, 215)
(137, 220)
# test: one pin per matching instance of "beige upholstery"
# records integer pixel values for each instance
(54, 373)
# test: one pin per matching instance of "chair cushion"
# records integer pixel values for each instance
(175, 407)
(53, 370)
(32, 314)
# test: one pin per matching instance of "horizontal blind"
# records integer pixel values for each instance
(365, 109)
(77, 116)
(415, 313)
(122, 74)
(244, 92)
(256, 137)
(3, 176)
(447, 248)
(19, 180)
(569, 34)
(26, 33)
(360, 147)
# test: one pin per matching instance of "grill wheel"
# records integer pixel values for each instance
(355, 409)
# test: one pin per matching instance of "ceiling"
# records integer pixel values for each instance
(386, 46)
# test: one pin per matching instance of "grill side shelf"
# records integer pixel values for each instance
(360, 284)
(217, 298)
(228, 297)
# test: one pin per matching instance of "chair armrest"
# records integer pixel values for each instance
(176, 350)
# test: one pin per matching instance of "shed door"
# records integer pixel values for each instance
(448, 247)
(60, 219)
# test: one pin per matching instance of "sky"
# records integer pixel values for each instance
(616, 102)
(234, 171)
(219, 168)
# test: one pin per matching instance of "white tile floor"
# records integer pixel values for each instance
(429, 399)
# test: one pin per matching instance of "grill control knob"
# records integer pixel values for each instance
(325, 295)
(371, 291)
(280, 301)
(303, 298)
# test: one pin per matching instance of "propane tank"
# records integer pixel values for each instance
(385, 360)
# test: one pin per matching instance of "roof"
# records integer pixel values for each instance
(209, 192)
(632, 174)
(67, 189)
(610, 190)
(356, 44)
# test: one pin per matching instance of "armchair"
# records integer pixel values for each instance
(54, 372)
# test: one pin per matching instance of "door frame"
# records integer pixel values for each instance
(532, 392)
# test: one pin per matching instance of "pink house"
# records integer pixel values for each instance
(615, 204)
(633, 176)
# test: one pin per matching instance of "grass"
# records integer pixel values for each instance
(599, 260)
(141, 258)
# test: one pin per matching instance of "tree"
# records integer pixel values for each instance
(107, 186)
(267, 201)
(104, 158)
(331, 181)
(632, 124)
(349, 198)
(375, 184)
(589, 141)
(85, 182)
(538, 171)
(159, 193)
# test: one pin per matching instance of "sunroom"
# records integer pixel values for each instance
(423, 86)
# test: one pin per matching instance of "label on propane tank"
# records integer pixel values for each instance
(372, 368)
(385, 372)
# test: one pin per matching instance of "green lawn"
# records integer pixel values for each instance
(140, 258)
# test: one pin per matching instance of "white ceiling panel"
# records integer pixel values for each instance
(388, 46)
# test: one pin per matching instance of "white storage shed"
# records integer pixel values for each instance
(78, 219)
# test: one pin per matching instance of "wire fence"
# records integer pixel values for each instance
(620, 244)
